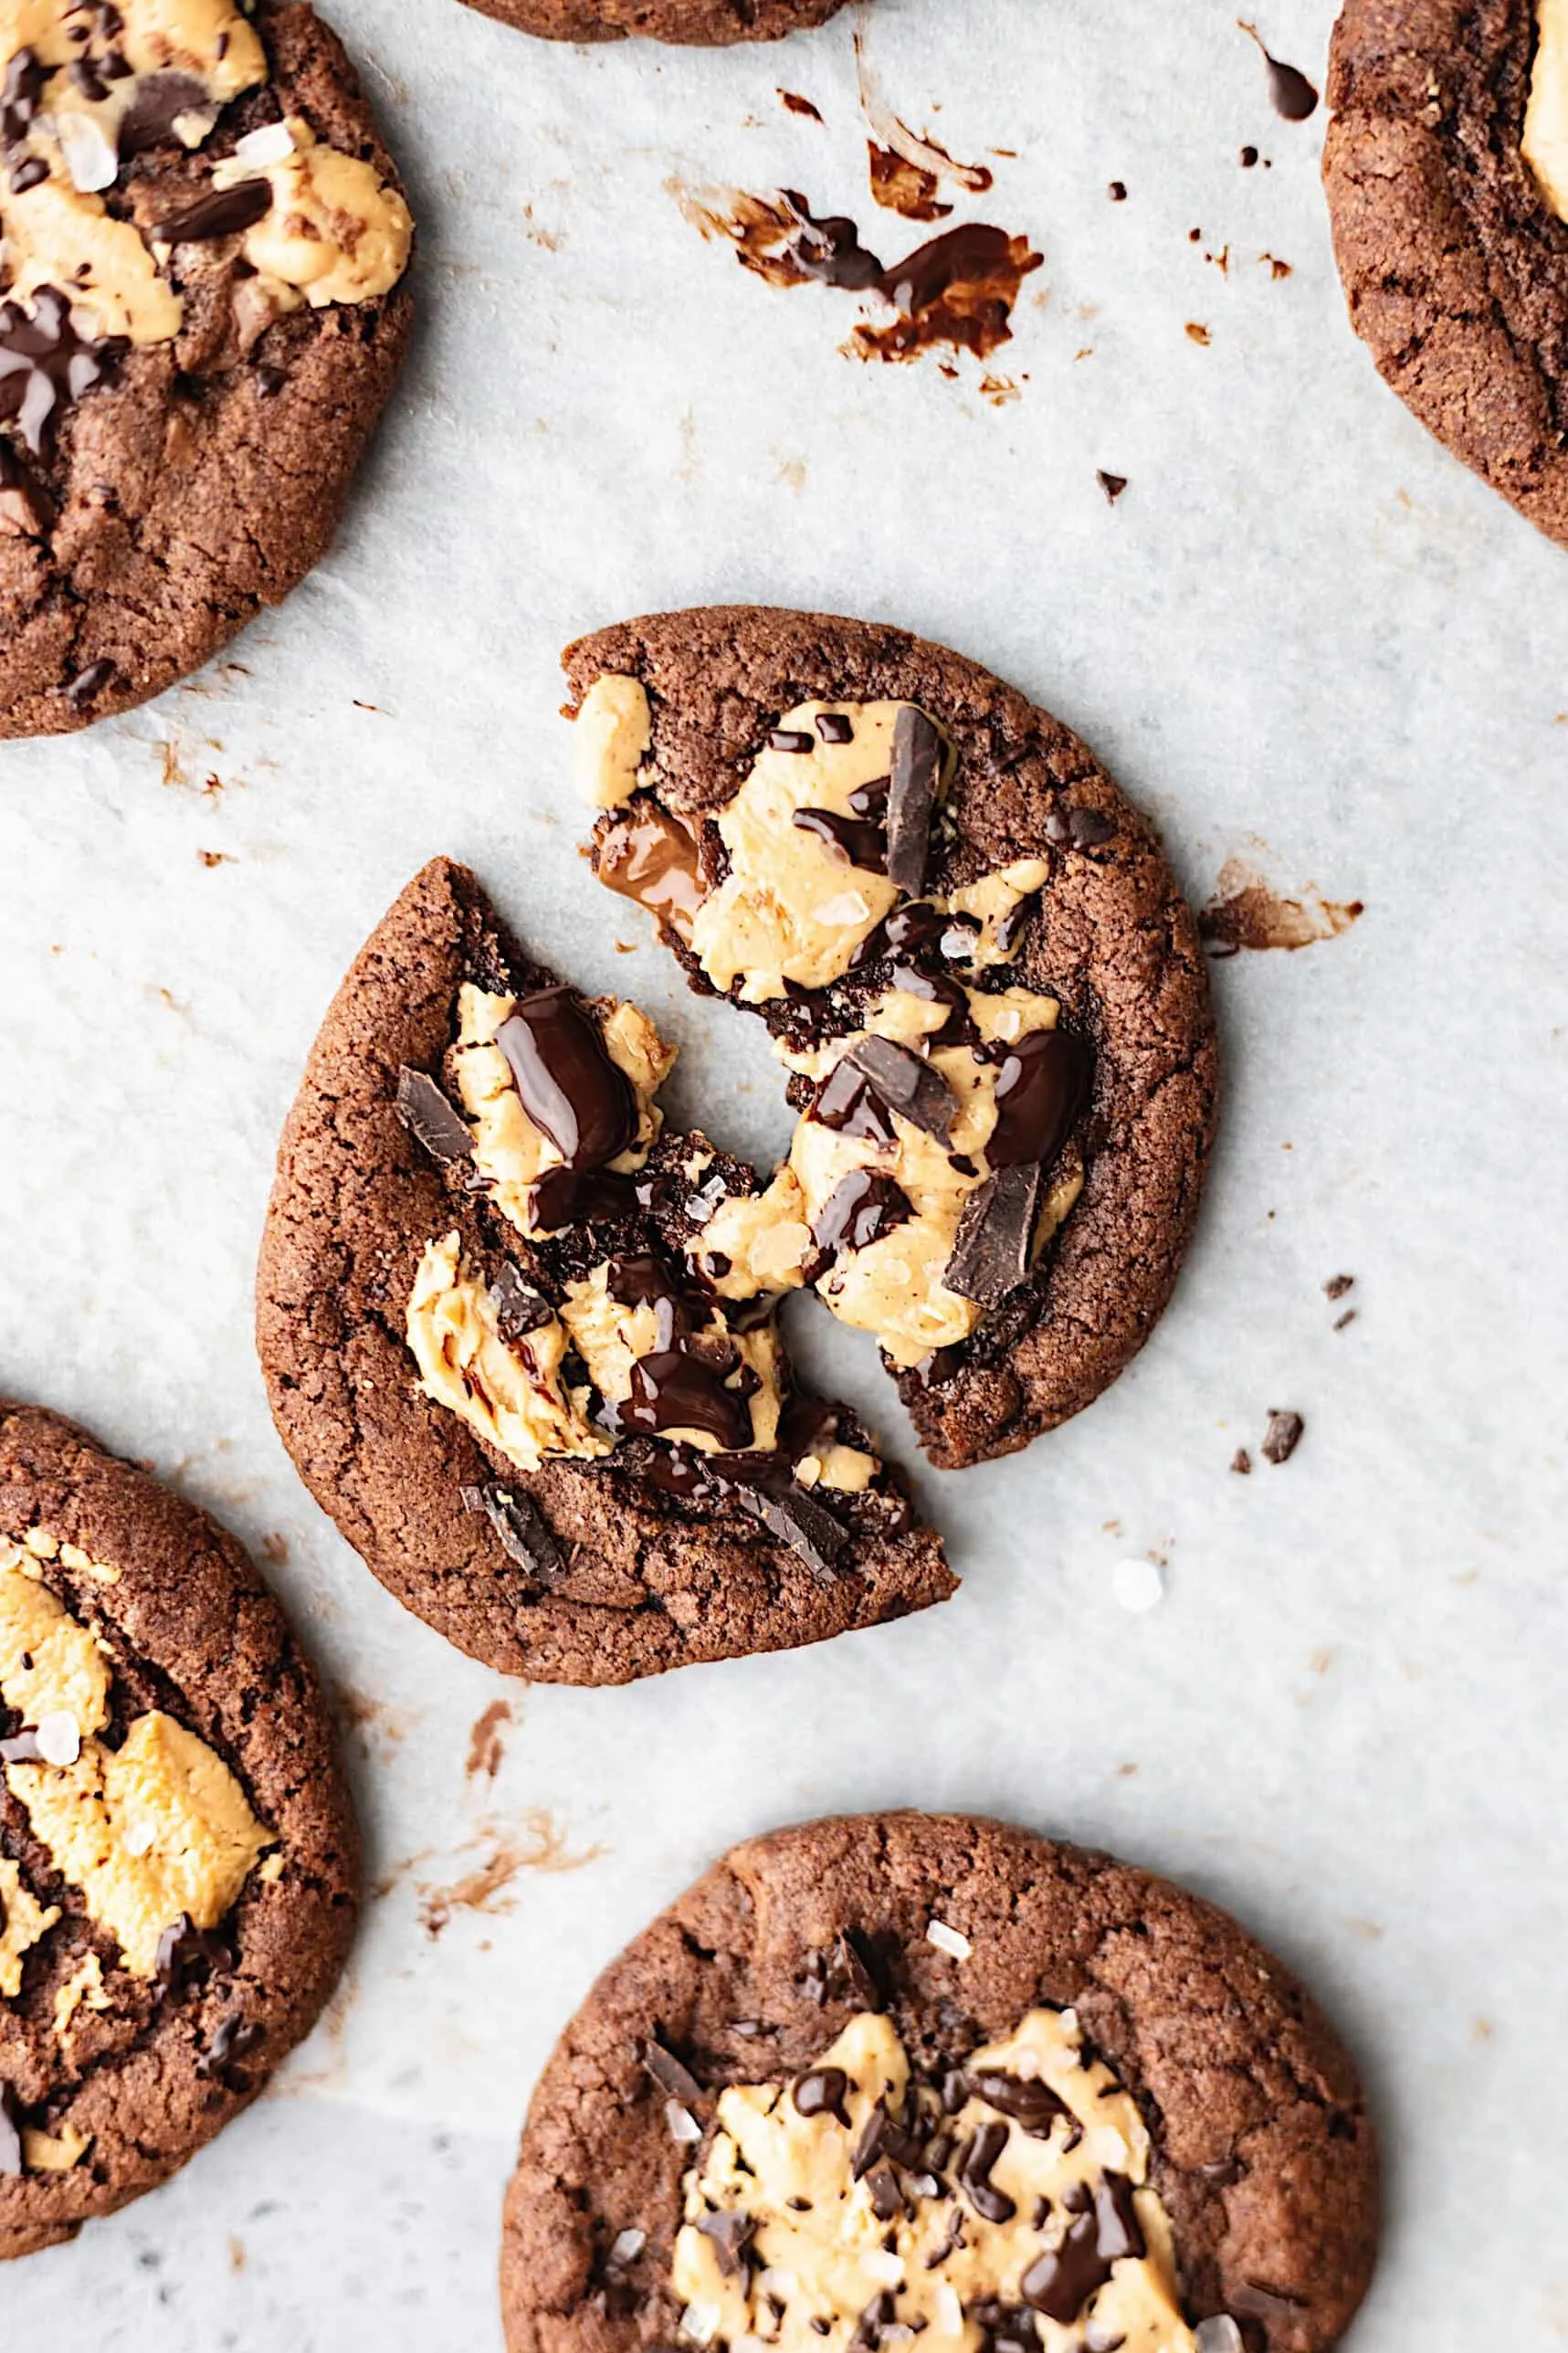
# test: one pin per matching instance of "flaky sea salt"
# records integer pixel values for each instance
(57, 1738)
(91, 159)
(699, 2323)
(848, 908)
(627, 2245)
(270, 145)
(1219, 2334)
(948, 1940)
(1139, 1585)
(683, 2124)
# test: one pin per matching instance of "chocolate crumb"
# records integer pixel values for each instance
(1117, 192)
(1241, 1462)
(1111, 485)
(1338, 1284)
(1348, 1317)
(1282, 1436)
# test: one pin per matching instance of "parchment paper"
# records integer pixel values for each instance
(1303, 636)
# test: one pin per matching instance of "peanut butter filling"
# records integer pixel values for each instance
(154, 1828)
(1012, 2198)
(1545, 138)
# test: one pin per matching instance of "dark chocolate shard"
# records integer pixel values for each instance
(1282, 1436)
(431, 1119)
(675, 2081)
(798, 1520)
(732, 2233)
(519, 1308)
(916, 771)
(525, 1533)
(1026, 2098)
(908, 1084)
(218, 212)
(991, 1248)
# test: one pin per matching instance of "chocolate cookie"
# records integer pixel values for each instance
(711, 24)
(977, 969)
(202, 312)
(908, 2076)
(1447, 170)
(178, 1864)
(493, 1360)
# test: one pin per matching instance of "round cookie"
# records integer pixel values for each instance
(700, 733)
(208, 186)
(708, 24)
(1447, 172)
(537, 1430)
(1125, 2124)
(178, 1861)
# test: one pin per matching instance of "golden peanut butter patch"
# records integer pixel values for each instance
(335, 232)
(1545, 139)
(45, 2152)
(83, 1989)
(793, 907)
(1039, 2203)
(23, 1922)
(610, 739)
(611, 1337)
(509, 1149)
(510, 1392)
(154, 1828)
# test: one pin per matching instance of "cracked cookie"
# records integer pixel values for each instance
(978, 972)
(906, 2076)
(1447, 172)
(709, 23)
(496, 1359)
(203, 310)
(178, 1862)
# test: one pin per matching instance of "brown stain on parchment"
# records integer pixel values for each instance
(1245, 913)
(486, 1745)
(538, 1844)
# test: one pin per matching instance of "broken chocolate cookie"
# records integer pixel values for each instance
(978, 972)
(203, 310)
(941, 2082)
(178, 1864)
(542, 1414)
(709, 23)
(1447, 170)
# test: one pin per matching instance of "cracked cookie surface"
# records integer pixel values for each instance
(178, 1860)
(1075, 925)
(704, 2146)
(1446, 180)
(203, 309)
(709, 23)
(492, 1362)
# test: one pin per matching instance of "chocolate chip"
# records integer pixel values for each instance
(887, 2198)
(907, 1083)
(834, 727)
(1282, 1436)
(820, 2093)
(525, 1533)
(10, 2130)
(1026, 2098)
(991, 2205)
(1042, 1085)
(430, 1118)
(991, 1250)
(28, 175)
(46, 365)
(220, 212)
(861, 1208)
(790, 739)
(669, 2074)
(912, 798)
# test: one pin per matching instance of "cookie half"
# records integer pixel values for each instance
(908, 2076)
(492, 1361)
(1447, 172)
(981, 978)
(178, 1862)
(708, 24)
(203, 310)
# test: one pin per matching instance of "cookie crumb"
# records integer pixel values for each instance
(1241, 1462)
(1282, 1436)
(1111, 485)
(1338, 1284)
(1348, 1317)
(1117, 192)
(1198, 335)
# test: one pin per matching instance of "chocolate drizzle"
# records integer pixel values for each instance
(861, 1207)
(1290, 93)
(648, 854)
(46, 365)
(1040, 1090)
(571, 1090)
(1061, 2282)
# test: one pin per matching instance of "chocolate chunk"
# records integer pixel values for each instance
(519, 1308)
(907, 1083)
(1078, 829)
(525, 1533)
(790, 739)
(990, 2203)
(431, 1118)
(10, 2130)
(991, 1251)
(1282, 1436)
(732, 2234)
(159, 101)
(23, 88)
(1030, 2102)
(1061, 2282)
(887, 2198)
(861, 1207)
(834, 727)
(673, 2078)
(219, 212)
(650, 856)
(235, 2037)
(590, 1196)
(912, 798)
(820, 2093)
(186, 1952)
(568, 1085)
(1041, 1088)
(799, 1521)
(884, 2136)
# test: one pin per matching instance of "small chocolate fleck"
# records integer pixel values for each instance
(1111, 485)
(1241, 1462)
(1338, 1284)
(88, 683)
(519, 1308)
(990, 2203)
(1249, 158)
(1117, 192)
(1282, 1436)
(185, 1952)
(732, 2233)
(1348, 1317)
(430, 1117)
